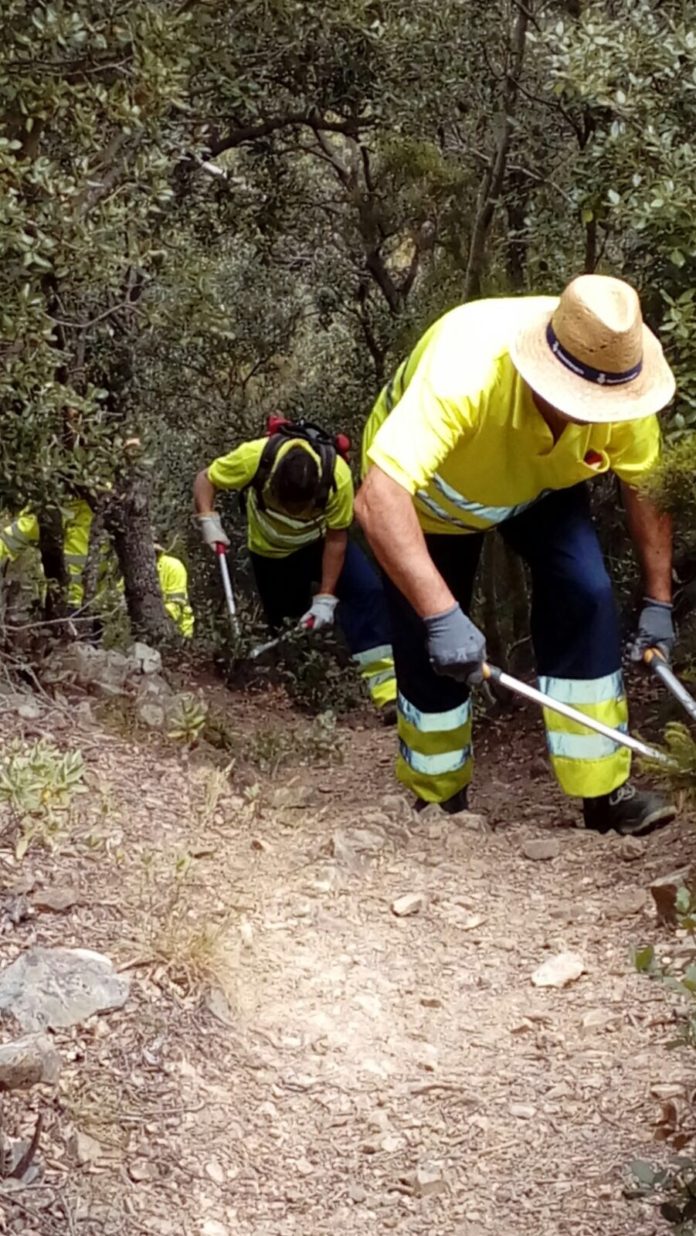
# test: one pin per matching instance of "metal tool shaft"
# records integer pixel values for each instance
(672, 683)
(566, 710)
(227, 586)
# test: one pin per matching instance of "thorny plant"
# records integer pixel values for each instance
(215, 783)
(676, 1182)
(38, 783)
(679, 776)
(271, 748)
(188, 721)
(189, 954)
(684, 984)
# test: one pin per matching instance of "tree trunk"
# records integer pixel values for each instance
(127, 520)
(53, 563)
(494, 177)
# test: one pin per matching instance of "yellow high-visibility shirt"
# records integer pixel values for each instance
(271, 532)
(18, 536)
(458, 427)
(77, 525)
(173, 582)
(23, 533)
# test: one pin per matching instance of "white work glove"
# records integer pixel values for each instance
(321, 614)
(211, 529)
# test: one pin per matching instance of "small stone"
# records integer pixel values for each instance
(559, 971)
(667, 1090)
(472, 821)
(303, 1167)
(429, 1180)
(29, 710)
(217, 1003)
(213, 1227)
(56, 900)
(85, 1149)
(366, 840)
(664, 894)
(410, 903)
(597, 1019)
(150, 714)
(391, 1142)
(522, 1111)
(631, 849)
(431, 1002)
(214, 1171)
(356, 1193)
(632, 901)
(292, 797)
(541, 849)
(28, 1062)
(397, 805)
(140, 1171)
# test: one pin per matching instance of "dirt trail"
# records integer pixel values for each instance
(364, 1072)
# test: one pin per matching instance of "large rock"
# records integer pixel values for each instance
(47, 988)
(102, 670)
(146, 660)
(27, 1062)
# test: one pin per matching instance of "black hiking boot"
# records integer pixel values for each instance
(389, 714)
(628, 811)
(451, 806)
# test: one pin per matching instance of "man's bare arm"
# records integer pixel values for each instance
(385, 512)
(651, 533)
(203, 493)
(333, 558)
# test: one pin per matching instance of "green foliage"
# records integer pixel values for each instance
(680, 774)
(90, 119)
(672, 484)
(675, 1184)
(272, 748)
(38, 782)
(316, 675)
(627, 85)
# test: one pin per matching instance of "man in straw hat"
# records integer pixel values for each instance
(497, 418)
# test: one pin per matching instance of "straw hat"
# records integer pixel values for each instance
(590, 355)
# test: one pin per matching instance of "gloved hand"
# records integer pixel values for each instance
(455, 646)
(321, 613)
(211, 529)
(655, 630)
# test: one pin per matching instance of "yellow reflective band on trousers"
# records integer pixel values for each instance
(435, 756)
(376, 667)
(587, 764)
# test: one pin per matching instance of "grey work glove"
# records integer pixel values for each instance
(211, 529)
(655, 630)
(455, 646)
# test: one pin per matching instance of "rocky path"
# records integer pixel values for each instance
(297, 1057)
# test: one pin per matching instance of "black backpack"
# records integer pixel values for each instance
(327, 446)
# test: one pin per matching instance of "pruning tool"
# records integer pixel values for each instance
(658, 664)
